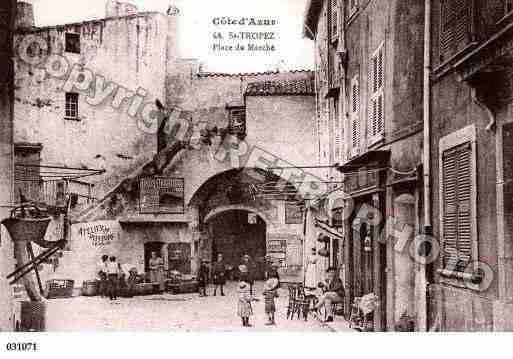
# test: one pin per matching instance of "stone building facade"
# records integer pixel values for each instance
(369, 81)
(184, 179)
(471, 124)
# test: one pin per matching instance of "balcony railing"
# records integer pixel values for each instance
(52, 193)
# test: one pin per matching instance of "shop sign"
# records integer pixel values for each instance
(276, 246)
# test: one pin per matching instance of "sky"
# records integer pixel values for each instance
(197, 29)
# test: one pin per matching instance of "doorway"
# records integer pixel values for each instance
(148, 249)
(236, 233)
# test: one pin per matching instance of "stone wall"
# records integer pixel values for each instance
(127, 51)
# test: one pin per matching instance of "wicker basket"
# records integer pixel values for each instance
(59, 288)
(90, 288)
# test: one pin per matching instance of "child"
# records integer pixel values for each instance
(203, 278)
(270, 292)
(244, 309)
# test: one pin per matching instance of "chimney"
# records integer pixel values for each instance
(25, 15)
(115, 8)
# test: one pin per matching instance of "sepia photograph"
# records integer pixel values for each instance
(255, 166)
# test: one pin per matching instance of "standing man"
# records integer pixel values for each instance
(334, 293)
(219, 273)
(113, 277)
(246, 260)
(203, 275)
(102, 275)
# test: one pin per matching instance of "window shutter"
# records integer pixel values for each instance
(338, 132)
(334, 19)
(376, 81)
(456, 26)
(457, 217)
(355, 109)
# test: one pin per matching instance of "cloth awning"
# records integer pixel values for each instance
(330, 231)
(380, 156)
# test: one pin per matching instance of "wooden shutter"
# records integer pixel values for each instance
(455, 26)
(334, 19)
(377, 98)
(338, 131)
(355, 108)
(457, 207)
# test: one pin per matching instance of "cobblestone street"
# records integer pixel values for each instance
(184, 312)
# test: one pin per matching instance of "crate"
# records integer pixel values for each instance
(59, 288)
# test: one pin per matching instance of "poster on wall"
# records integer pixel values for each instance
(293, 214)
(294, 253)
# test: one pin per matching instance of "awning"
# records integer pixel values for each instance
(380, 156)
(331, 231)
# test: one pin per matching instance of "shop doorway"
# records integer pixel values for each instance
(236, 233)
(148, 249)
(179, 256)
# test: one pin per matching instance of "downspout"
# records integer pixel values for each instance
(426, 161)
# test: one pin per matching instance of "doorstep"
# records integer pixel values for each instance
(339, 324)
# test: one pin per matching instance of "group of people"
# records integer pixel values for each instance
(112, 277)
(245, 293)
(115, 279)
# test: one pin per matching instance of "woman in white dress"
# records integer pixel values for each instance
(310, 270)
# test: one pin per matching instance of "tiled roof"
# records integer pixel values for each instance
(249, 74)
(283, 87)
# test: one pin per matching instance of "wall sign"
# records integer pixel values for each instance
(162, 195)
(97, 234)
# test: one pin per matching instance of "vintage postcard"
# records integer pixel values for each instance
(255, 166)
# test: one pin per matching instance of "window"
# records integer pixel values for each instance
(72, 43)
(455, 27)
(458, 200)
(354, 116)
(237, 120)
(71, 106)
(353, 7)
(334, 19)
(338, 135)
(377, 101)
(508, 6)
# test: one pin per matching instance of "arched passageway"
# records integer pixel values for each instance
(235, 233)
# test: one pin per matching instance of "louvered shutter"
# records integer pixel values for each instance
(376, 104)
(355, 106)
(457, 207)
(334, 19)
(338, 131)
(456, 26)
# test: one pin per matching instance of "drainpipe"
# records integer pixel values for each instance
(426, 161)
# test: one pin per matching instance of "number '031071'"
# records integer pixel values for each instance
(23, 347)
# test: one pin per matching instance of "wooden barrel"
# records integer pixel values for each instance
(90, 288)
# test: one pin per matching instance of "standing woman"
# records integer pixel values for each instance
(157, 271)
(219, 272)
(310, 271)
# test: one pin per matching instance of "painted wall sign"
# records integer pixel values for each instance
(276, 246)
(98, 234)
(162, 195)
